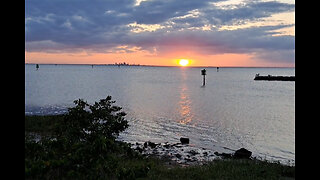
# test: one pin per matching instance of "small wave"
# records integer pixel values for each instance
(49, 110)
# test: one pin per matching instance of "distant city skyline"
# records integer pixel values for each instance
(225, 33)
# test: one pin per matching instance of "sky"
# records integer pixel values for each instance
(244, 33)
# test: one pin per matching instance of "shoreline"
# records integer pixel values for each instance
(186, 155)
(175, 152)
(117, 159)
(181, 155)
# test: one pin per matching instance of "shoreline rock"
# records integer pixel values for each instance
(242, 154)
(185, 154)
(184, 140)
(182, 154)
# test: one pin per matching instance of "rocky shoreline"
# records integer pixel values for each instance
(185, 155)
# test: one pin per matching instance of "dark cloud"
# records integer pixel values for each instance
(248, 11)
(103, 25)
(154, 12)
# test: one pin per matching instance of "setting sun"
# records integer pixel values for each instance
(183, 62)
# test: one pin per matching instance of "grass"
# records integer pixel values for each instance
(227, 169)
(139, 167)
(232, 169)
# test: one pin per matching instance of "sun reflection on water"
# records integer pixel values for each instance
(185, 103)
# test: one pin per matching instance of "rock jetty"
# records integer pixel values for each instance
(275, 78)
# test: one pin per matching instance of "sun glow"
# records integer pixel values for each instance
(183, 62)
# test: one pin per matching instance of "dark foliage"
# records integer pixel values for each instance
(82, 145)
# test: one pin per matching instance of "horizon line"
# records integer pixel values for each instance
(165, 66)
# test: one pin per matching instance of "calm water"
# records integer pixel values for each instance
(165, 103)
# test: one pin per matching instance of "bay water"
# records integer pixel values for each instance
(165, 103)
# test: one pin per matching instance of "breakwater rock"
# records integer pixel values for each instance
(274, 78)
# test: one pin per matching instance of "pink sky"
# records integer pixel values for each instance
(144, 58)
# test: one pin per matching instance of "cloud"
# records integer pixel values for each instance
(158, 26)
(249, 11)
(154, 12)
(217, 42)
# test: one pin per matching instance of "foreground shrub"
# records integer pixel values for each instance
(82, 145)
